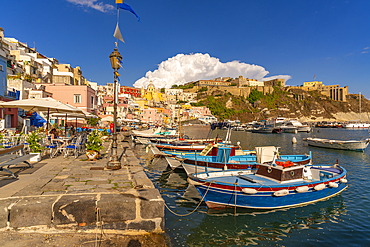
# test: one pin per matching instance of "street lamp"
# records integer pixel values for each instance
(114, 163)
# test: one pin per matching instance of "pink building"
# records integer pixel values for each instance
(80, 96)
(151, 115)
(202, 110)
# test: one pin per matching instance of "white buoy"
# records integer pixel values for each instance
(294, 140)
(295, 131)
(147, 149)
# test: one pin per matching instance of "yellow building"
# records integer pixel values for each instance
(152, 94)
(313, 85)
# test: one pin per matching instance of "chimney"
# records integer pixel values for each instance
(1, 32)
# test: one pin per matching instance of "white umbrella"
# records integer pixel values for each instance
(41, 105)
(107, 119)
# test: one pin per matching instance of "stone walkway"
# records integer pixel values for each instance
(79, 196)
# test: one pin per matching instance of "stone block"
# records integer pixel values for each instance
(115, 225)
(117, 207)
(147, 225)
(151, 204)
(4, 213)
(78, 209)
(32, 211)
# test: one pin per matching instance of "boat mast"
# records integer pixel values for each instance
(360, 106)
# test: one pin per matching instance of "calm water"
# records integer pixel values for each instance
(341, 220)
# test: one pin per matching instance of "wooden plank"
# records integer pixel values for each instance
(10, 150)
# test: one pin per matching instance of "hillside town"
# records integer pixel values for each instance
(27, 73)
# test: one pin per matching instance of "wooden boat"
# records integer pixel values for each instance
(226, 159)
(353, 145)
(272, 186)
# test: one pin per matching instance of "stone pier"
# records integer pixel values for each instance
(82, 198)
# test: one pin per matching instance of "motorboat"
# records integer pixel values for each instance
(292, 125)
(274, 185)
(354, 145)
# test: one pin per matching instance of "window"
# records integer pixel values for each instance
(92, 100)
(77, 98)
(1, 68)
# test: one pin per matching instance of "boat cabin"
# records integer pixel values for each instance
(284, 172)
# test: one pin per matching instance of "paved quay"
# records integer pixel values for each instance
(61, 198)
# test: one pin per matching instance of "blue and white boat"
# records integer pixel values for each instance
(227, 159)
(272, 186)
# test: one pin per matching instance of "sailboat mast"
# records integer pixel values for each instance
(360, 106)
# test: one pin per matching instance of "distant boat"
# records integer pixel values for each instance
(353, 145)
(357, 124)
(292, 125)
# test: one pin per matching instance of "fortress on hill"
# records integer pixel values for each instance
(243, 86)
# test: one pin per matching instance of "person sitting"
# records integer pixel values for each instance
(54, 134)
(72, 131)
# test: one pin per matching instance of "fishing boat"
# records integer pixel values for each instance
(227, 159)
(143, 135)
(274, 185)
(353, 145)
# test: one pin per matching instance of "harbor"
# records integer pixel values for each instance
(336, 220)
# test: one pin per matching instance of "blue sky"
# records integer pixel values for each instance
(297, 39)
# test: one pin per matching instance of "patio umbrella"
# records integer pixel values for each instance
(107, 119)
(48, 105)
(84, 115)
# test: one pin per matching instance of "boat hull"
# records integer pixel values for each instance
(221, 198)
(336, 144)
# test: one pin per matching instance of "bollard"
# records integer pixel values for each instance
(294, 140)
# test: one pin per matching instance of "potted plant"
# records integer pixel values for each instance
(33, 141)
(94, 145)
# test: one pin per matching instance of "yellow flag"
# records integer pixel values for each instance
(117, 74)
(119, 1)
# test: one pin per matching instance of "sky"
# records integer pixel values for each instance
(178, 41)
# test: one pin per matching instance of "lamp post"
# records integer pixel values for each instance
(114, 163)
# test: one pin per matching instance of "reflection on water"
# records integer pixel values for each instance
(340, 220)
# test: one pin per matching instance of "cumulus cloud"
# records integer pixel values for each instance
(183, 68)
(93, 4)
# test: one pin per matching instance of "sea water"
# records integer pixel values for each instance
(342, 220)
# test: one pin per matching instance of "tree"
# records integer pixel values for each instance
(93, 121)
(254, 96)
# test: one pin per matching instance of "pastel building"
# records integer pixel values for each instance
(80, 96)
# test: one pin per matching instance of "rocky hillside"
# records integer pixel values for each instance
(299, 104)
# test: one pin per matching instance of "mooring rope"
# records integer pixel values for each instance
(183, 215)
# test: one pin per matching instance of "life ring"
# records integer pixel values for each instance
(269, 169)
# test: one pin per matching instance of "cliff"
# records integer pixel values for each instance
(296, 103)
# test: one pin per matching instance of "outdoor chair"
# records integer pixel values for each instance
(73, 147)
(52, 146)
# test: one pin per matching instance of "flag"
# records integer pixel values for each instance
(117, 34)
(128, 7)
(116, 73)
(314, 76)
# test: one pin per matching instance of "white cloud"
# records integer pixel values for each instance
(366, 48)
(93, 4)
(364, 52)
(186, 68)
